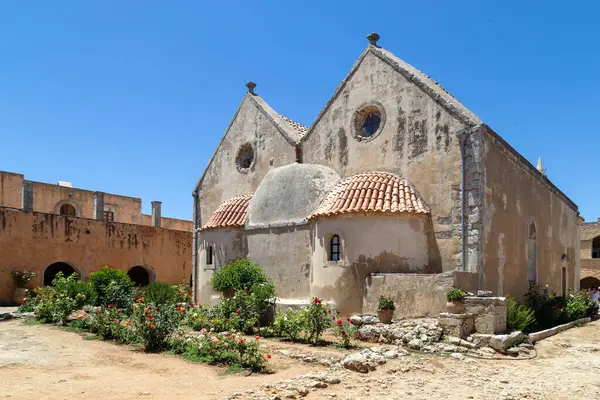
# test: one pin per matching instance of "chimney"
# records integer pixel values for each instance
(156, 213)
(27, 196)
(540, 166)
(99, 206)
(373, 38)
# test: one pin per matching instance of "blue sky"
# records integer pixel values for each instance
(132, 97)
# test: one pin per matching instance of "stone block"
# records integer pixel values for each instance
(457, 325)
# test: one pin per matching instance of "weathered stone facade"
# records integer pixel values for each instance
(590, 254)
(489, 212)
(52, 228)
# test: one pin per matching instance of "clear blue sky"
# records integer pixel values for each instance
(132, 97)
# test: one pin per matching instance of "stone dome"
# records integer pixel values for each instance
(290, 194)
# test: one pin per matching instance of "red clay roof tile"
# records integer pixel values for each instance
(372, 191)
(232, 213)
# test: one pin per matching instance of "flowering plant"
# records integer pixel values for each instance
(22, 278)
(153, 325)
(291, 323)
(318, 319)
(345, 331)
(386, 303)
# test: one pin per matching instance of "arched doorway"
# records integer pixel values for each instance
(53, 269)
(532, 253)
(587, 283)
(139, 275)
(68, 210)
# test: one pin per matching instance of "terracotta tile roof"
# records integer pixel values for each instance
(297, 126)
(232, 213)
(372, 191)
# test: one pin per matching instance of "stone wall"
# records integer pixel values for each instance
(518, 196)
(35, 240)
(415, 295)
(489, 313)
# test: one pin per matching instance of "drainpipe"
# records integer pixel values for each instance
(195, 249)
(462, 136)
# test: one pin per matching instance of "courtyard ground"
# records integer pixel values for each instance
(44, 362)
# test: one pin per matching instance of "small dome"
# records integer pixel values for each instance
(374, 192)
(232, 213)
(290, 193)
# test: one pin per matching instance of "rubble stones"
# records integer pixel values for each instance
(365, 361)
(360, 320)
(502, 343)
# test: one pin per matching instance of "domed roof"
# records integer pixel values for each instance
(290, 194)
(231, 213)
(374, 192)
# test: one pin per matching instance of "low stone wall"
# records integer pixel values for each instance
(535, 336)
(415, 295)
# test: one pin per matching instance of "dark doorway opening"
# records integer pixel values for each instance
(588, 282)
(53, 269)
(68, 210)
(139, 275)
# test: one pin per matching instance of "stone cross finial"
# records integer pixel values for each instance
(373, 38)
(251, 86)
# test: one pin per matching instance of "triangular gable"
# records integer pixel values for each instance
(289, 129)
(424, 82)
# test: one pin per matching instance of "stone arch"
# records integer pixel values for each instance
(532, 249)
(51, 270)
(68, 208)
(141, 275)
(588, 282)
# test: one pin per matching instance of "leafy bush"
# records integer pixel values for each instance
(291, 324)
(112, 286)
(386, 303)
(345, 332)
(226, 348)
(159, 293)
(519, 317)
(455, 295)
(211, 318)
(239, 274)
(318, 319)
(579, 305)
(55, 303)
(22, 278)
(153, 325)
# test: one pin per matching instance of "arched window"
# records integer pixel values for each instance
(532, 254)
(209, 255)
(53, 269)
(596, 247)
(334, 248)
(139, 275)
(68, 210)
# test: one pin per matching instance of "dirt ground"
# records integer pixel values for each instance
(42, 362)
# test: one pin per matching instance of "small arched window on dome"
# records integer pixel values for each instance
(334, 248)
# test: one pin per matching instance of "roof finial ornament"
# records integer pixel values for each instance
(540, 166)
(251, 86)
(373, 38)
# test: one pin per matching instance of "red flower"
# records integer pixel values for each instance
(149, 316)
(343, 333)
(191, 304)
(359, 334)
(348, 319)
(329, 311)
(269, 356)
(110, 306)
(316, 300)
(339, 322)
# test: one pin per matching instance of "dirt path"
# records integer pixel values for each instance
(43, 362)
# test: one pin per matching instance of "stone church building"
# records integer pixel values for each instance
(396, 188)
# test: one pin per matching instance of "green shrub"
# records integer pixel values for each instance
(112, 286)
(239, 274)
(291, 324)
(519, 317)
(153, 325)
(110, 323)
(318, 319)
(385, 303)
(159, 293)
(206, 317)
(579, 305)
(455, 295)
(55, 303)
(184, 292)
